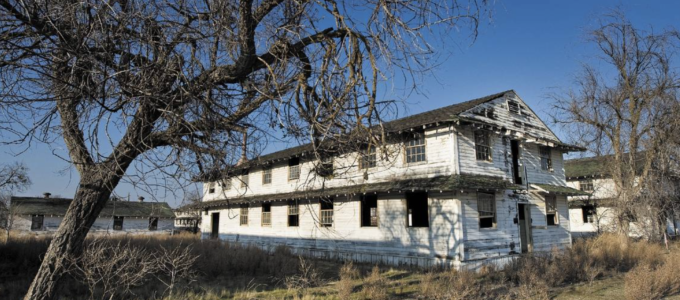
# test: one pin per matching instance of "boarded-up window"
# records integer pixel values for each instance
(417, 209)
(267, 175)
(586, 185)
(266, 214)
(153, 223)
(37, 222)
(514, 107)
(243, 216)
(415, 150)
(369, 211)
(482, 145)
(118, 223)
(551, 210)
(326, 212)
(293, 214)
(546, 161)
(368, 158)
(294, 168)
(589, 213)
(486, 207)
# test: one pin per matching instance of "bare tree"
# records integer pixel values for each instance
(174, 266)
(13, 178)
(629, 110)
(189, 87)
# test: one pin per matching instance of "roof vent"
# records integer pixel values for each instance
(141, 199)
(47, 195)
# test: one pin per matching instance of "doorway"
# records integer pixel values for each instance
(525, 236)
(215, 228)
(514, 149)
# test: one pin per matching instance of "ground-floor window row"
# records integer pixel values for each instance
(37, 222)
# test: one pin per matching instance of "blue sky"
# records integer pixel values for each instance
(533, 47)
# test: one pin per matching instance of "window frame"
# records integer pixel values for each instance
(583, 184)
(34, 219)
(266, 215)
(329, 212)
(551, 210)
(486, 135)
(493, 210)
(153, 226)
(293, 204)
(211, 188)
(120, 219)
(511, 102)
(545, 154)
(368, 158)
(365, 205)
(245, 179)
(408, 148)
(267, 175)
(294, 168)
(243, 214)
(592, 211)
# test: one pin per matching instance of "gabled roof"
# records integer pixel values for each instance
(59, 206)
(438, 183)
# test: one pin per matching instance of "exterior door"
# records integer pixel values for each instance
(524, 216)
(215, 230)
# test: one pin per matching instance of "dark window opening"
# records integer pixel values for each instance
(326, 209)
(153, 223)
(293, 214)
(266, 214)
(416, 206)
(37, 222)
(514, 107)
(486, 207)
(589, 213)
(369, 211)
(118, 223)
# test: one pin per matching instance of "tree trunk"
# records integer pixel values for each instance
(93, 192)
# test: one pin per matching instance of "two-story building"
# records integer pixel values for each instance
(459, 185)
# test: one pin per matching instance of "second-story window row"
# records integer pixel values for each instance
(294, 168)
(415, 150)
(546, 160)
(483, 145)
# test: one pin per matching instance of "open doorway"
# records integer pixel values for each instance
(215, 228)
(525, 236)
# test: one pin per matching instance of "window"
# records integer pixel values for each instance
(416, 208)
(245, 176)
(551, 210)
(369, 211)
(586, 185)
(243, 216)
(546, 161)
(227, 184)
(486, 207)
(118, 223)
(294, 168)
(293, 214)
(485, 112)
(37, 222)
(267, 175)
(415, 150)
(211, 188)
(482, 145)
(517, 124)
(326, 212)
(325, 167)
(153, 223)
(514, 107)
(266, 214)
(368, 158)
(589, 213)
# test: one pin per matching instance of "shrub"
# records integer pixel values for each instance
(654, 281)
(345, 286)
(375, 286)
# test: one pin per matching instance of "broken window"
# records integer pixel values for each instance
(325, 167)
(486, 207)
(293, 214)
(368, 158)
(294, 168)
(546, 161)
(118, 223)
(551, 210)
(266, 214)
(589, 213)
(416, 208)
(514, 107)
(586, 185)
(369, 211)
(326, 212)
(37, 222)
(482, 145)
(245, 177)
(243, 216)
(267, 175)
(415, 150)
(153, 223)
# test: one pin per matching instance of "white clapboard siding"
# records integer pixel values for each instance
(103, 225)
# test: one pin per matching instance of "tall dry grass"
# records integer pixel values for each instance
(654, 281)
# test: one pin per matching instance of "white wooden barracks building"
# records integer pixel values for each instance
(467, 183)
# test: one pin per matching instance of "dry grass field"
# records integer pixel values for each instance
(184, 267)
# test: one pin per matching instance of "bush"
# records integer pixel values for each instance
(376, 287)
(345, 286)
(654, 281)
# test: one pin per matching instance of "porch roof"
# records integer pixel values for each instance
(558, 189)
(438, 183)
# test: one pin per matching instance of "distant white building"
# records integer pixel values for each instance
(470, 183)
(44, 215)
(592, 213)
(187, 219)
